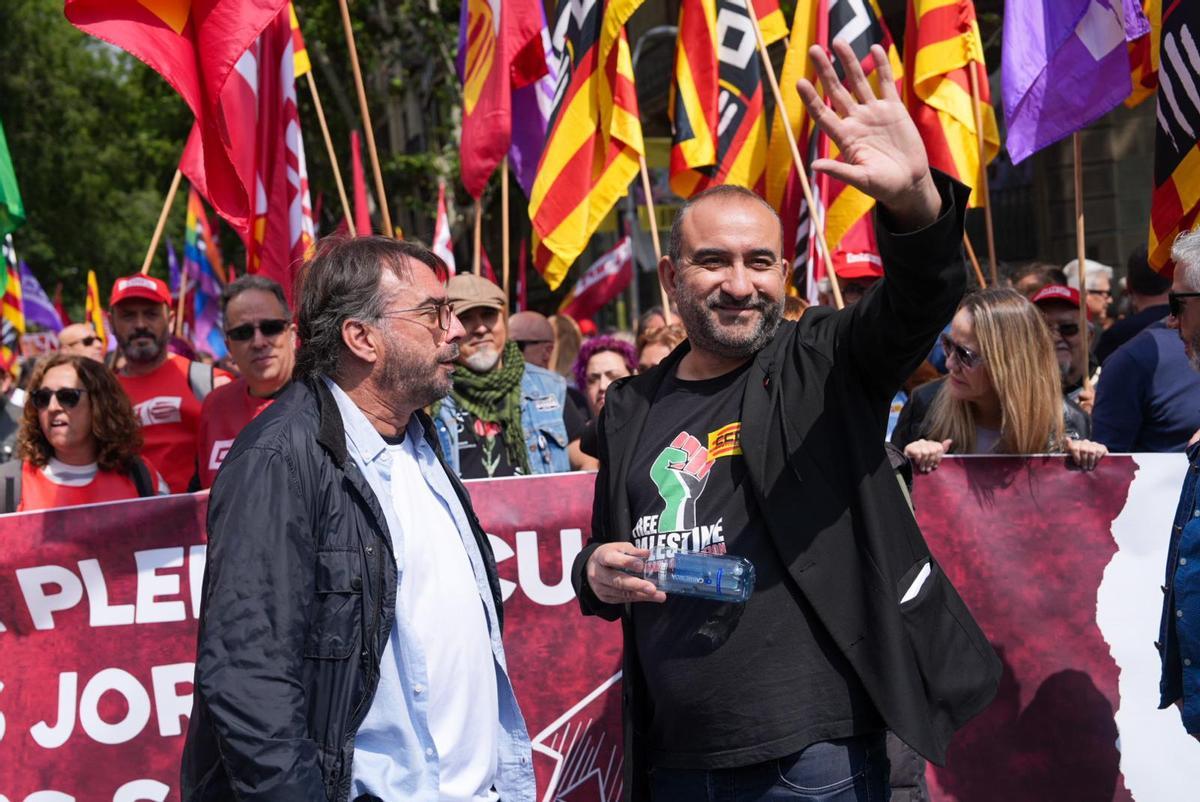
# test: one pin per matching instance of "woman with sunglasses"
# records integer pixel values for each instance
(79, 441)
(1002, 394)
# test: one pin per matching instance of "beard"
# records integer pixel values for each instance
(416, 376)
(143, 352)
(483, 360)
(1193, 351)
(705, 331)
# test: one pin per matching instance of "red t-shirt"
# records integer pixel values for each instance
(39, 492)
(225, 413)
(170, 416)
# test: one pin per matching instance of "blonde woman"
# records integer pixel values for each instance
(1002, 394)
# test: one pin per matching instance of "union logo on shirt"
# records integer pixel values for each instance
(725, 442)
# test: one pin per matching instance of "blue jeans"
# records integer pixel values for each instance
(845, 770)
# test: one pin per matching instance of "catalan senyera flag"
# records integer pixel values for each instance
(303, 64)
(1144, 56)
(93, 307)
(12, 312)
(500, 50)
(261, 134)
(1175, 206)
(719, 134)
(849, 227)
(194, 45)
(594, 140)
(941, 48)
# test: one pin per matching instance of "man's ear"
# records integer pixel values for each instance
(667, 274)
(361, 340)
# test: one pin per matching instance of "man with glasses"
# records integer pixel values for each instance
(1060, 308)
(504, 416)
(1097, 289)
(261, 339)
(81, 339)
(350, 631)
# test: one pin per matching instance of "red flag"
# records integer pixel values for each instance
(194, 45)
(485, 268)
(362, 211)
(604, 280)
(58, 305)
(442, 245)
(500, 49)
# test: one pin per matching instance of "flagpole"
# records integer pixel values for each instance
(974, 260)
(976, 103)
(504, 228)
(183, 286)
(818, 223)
(647, 191)
(333, 162)
(366, 115)
(1080, 255)
(476, 264)
(162, 221)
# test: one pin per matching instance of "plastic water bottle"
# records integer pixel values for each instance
(719, 577)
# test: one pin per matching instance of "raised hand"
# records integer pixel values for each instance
(881, 151)
(680, 473)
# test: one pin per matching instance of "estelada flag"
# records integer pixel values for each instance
(260, 125)
(194, 45)
(941, 49)
(603, 281)
(849, 227)
(719, 135)
(1176, 199)
(500, 50)
(594, 141)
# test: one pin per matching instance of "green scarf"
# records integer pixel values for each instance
(495, 397)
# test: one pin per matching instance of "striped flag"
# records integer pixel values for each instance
(1176, 200)
(303, 64)
(442, 246)
(12, 311)
(202, 261)
(1143, 56)
(849, 227)
(603, 281)
(941, 44)
(93, 307)
(719, 135)
(594, 141)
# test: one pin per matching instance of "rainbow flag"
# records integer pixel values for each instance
(205, 273)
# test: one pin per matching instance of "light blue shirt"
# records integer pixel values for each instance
(394, 752)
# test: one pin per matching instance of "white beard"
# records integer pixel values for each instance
(483, 360)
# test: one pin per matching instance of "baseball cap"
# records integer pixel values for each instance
(467, 291)
(1057, 293)
(140, 286)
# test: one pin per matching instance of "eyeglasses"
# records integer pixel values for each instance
(269, 328)
(68, 397)
(86, 342)
(1175, 301)
(1065, 330)
(1106, 293)
(965, 356)
(443, 309)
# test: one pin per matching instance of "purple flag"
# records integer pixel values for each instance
(531, 107)
(1065, 65)
(39, 308)
(172, 269)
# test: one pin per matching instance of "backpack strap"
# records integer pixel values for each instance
(143, 480)
(10, 485)
(200, 379)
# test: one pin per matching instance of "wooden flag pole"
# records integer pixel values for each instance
(504, 229)
(818, 222)
(183, 288)
(1080, 255)
(162, 221)
(333, 161)
(976, 103)
(974, 260)
(380, 193)
(647, 191)
(477, 264)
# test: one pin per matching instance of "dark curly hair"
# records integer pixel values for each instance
(114, 426)
(598, 345)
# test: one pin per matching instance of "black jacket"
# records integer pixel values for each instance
(913, 423)
(813, 417)
(299, 600)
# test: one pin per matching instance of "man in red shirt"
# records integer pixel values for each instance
(261, 339)
(166, 389)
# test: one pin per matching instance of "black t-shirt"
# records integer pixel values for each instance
(481, 452)
(729, 685)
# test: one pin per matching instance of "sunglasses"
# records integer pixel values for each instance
(68, 397)
(269, 328)
(1065, 329)
(965, 356)
(1175, 301)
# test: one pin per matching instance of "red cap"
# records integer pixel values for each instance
(140, 286)
(1057, 292)
(857, 265)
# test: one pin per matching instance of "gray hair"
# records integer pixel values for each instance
(340, 283)
(252, 281)
(1091, 270)
(675, 243)
(1186, 255)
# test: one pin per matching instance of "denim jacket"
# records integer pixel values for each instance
(543, 394)
(1179, 633)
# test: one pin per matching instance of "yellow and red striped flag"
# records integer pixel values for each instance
(303, 64)
(849, 227)
(594, 139)
(719, 134)
(941, 44)
(12, 311)
(1143, 56)
(93, 308)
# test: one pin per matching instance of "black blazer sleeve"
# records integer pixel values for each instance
(589, 604)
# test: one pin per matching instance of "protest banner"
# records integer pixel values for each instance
(98, 611)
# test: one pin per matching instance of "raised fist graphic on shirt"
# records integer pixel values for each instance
(680, 473)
